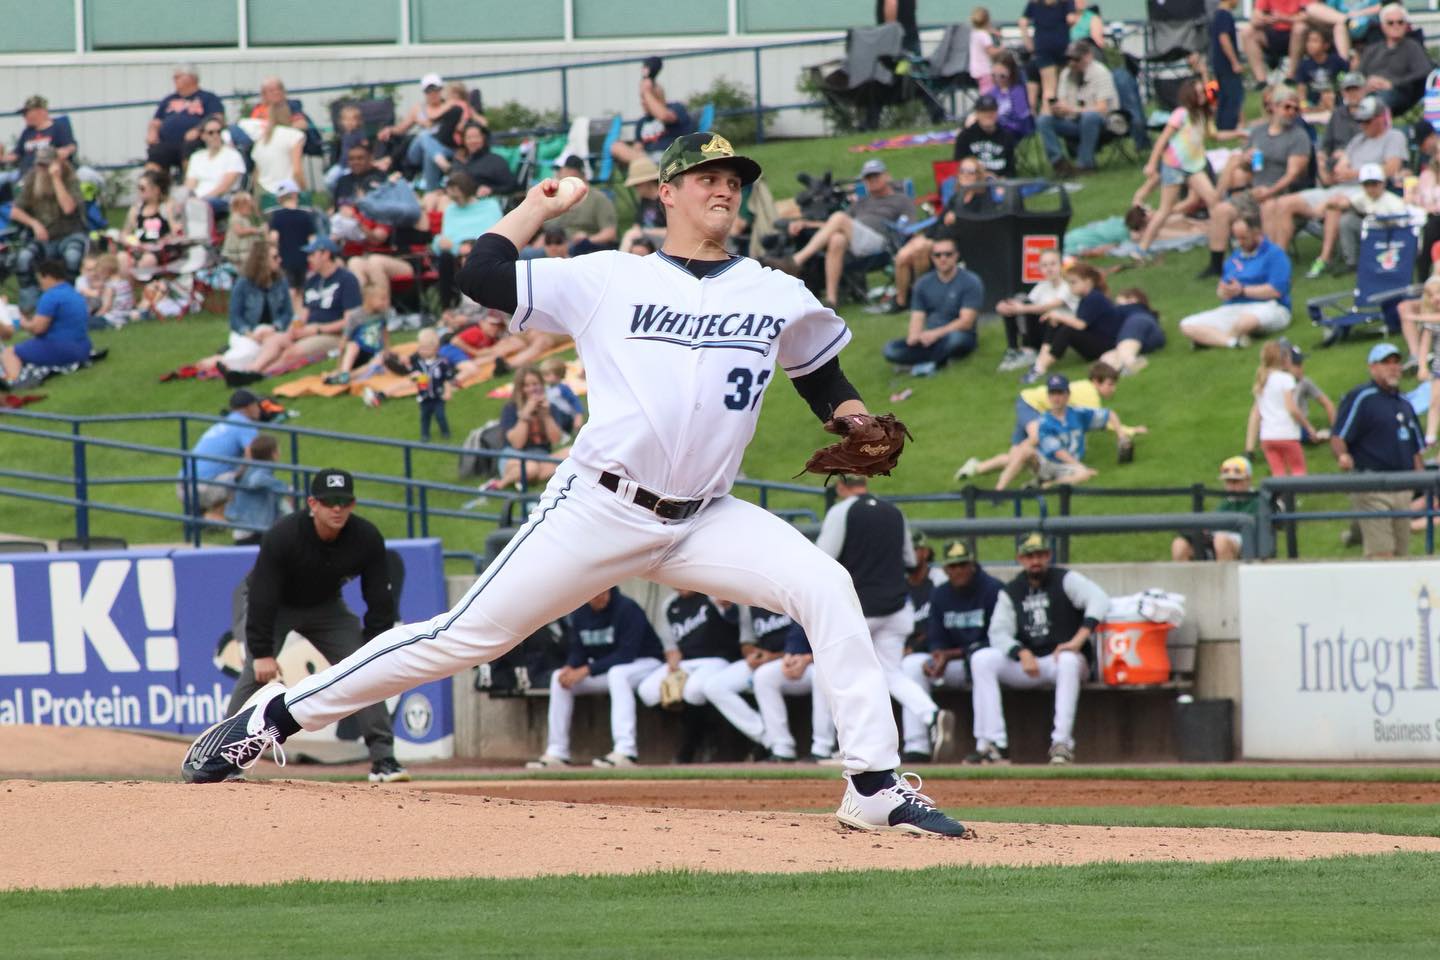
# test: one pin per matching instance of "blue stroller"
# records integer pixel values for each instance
(1382, 279)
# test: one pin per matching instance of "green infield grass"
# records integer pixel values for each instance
(1240, 772)
(1399, 819)
(1340, 908)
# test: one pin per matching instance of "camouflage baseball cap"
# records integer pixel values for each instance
(694, 149)
(1032, 543)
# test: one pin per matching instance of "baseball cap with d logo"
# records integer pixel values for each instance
(694, 149)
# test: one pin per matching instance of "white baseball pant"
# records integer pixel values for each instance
(889, 634)
(619, 682)
(771, 689)
(989, 667)
(696, 671)
(582, 539)
(916, 730)
(723, 688)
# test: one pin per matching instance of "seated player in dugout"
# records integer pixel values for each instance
(612, 648)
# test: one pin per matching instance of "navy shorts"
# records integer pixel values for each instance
(45, 352)
(1142, 327)
(1024, 416)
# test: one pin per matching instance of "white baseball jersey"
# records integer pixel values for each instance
(653, 337)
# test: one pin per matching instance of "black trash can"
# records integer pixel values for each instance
(1205, 730)
(1003, 247)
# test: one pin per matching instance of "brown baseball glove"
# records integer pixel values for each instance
(672, 690)
(869, 445)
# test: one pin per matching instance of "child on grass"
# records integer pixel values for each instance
(260, 496)
(244, 228)
(367, 333)
(434, 378)
(1179, 159)
(565, 405)
(1275, 418)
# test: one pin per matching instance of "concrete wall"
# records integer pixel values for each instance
(1113, 727)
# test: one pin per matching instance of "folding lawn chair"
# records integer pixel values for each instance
(1382, 280)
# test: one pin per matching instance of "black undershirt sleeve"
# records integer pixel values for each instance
(825, 388)
(488, 276)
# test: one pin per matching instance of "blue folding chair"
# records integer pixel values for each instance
(607, 162)
(1382, 279)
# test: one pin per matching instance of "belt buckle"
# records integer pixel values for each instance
(668, 508)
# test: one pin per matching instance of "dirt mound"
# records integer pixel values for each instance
(740, 794)
(31, 750)
(171, 833)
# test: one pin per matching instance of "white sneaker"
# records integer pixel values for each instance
(968, 469)
(1060, 754)
(899, 808)
(547, 761)
(615, 759)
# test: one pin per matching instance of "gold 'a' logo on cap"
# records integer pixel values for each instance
(718, 144)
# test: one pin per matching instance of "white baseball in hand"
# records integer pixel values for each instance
(570, 190)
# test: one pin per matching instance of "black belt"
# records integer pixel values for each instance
(666, 508)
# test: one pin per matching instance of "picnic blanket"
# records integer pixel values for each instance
(906, 140)
(387, 385)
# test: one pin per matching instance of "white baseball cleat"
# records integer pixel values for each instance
(615, 759)
(548, 761)
(898, 808)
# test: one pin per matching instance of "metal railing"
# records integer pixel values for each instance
(423, 501)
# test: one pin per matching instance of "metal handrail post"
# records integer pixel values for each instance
(1430, 522)
(759, 108)
(409, 493)
(424, 512)
(82, 493)
(297, 477)
(1265, 534)
(1292, 532)
(565, 95)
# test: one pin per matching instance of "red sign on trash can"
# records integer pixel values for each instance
(1031, 246)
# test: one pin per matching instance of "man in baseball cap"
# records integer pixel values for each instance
(860, 232)
(1372, 199)
(959, 609)
(304, 560)
(988, 142)
(1377, 431)
(698, 149)
(1235, 474)
(40, 131)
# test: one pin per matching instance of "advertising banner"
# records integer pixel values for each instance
(139, 639)
(1340, 661)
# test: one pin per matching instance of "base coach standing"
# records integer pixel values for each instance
(304, 560)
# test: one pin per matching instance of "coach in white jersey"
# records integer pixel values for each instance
(679, 348)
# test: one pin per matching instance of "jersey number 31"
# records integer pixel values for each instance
(748, 388)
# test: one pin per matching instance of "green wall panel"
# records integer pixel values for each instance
(648, 18)
(760, 16)
(452, 21)
(141, 24)
(24, 32)
(317, 22)
(768, 16)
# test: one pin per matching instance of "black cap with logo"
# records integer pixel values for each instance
(333, 485)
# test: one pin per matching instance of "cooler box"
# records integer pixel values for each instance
(1133, 652)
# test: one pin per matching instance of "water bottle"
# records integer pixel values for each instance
(1257, 160)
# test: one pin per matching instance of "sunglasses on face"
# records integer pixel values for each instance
(336, 501)
(1393, 23)
(210, 133)
(1288, 107)
(943, 253)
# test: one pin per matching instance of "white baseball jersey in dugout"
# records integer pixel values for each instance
(677, 366)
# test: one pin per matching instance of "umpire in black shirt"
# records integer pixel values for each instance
(304, 560)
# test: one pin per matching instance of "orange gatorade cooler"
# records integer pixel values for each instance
(1133, 652)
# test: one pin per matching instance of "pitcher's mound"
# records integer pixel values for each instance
(232, 833)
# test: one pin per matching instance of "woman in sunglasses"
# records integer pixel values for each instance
(212, 174)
